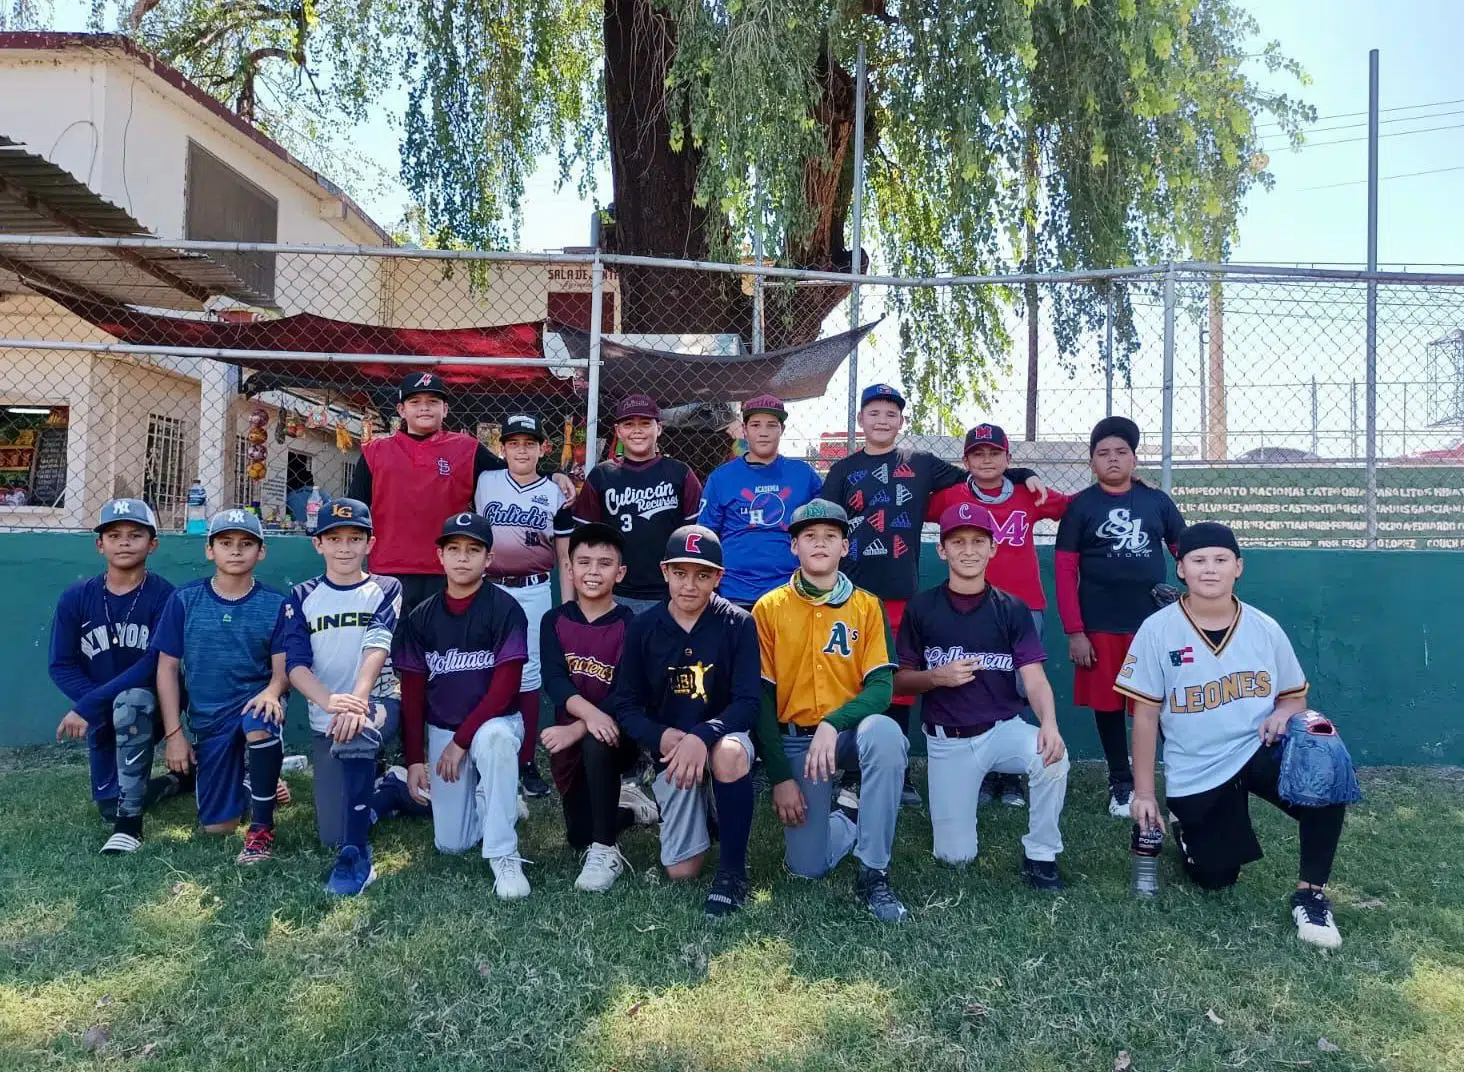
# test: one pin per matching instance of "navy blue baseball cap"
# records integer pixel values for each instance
(236, 519)
(987, 435)
(474, 526)
(340, 513)
(695, 544)
(881, 392)
(134, 510)
(421, 383)
(523, 424)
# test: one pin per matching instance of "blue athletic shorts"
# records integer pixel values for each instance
(220, 788)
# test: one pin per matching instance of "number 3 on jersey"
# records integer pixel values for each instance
(626, 520)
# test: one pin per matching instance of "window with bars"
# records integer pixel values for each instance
(166, 463)
(348, 473)
(242, 488)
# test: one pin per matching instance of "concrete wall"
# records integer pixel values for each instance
(1382, 650)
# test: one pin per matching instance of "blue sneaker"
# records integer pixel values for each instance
(352, 873)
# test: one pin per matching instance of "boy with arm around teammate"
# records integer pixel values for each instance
(1222, 680)
(343, 625)
(827, 680)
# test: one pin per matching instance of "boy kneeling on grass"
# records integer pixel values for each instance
(688, 694)
(343, 624)
(228, 632)
(1223, 681)
(460, 656)
(581, 644)
(827, 679)
(964, 645)
(101, 659)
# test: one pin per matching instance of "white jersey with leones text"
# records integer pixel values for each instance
(1212, 697)
(525, 520)
(343, 623)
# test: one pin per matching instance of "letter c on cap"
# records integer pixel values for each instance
(463, 519)
(693, 543)
(965, 512)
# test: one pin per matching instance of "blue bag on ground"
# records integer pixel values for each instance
(1316, 769)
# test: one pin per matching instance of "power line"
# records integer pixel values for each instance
(1360, 126)
(1385, 178)
(1389, 134)
(1351, 115)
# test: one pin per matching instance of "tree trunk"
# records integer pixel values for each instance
(1029, 265)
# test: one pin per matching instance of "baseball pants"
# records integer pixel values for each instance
(957, 766)
(684, 812)
(482, 805)
(878, 749)
(536, 601)
(329, 780)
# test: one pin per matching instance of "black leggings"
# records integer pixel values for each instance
(592, 809)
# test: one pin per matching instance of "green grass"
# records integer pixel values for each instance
(190, 963)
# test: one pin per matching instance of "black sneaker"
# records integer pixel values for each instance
(1312, 914)
(1009, 787)
(533, 785)
(727, 895)
(989, 788)
(161, 788)
(1120, 794)
(873, 888)
(909, 797)
(108, 810)
(1041, 874)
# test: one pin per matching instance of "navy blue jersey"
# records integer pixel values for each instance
(100, 641)
(1119, 540)
(707, 681)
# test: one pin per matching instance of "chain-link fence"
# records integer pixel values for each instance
(135, 367)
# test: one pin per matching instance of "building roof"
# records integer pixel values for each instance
(47, 41)
(39, 198)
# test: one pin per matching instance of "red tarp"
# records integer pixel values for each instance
(306, 332)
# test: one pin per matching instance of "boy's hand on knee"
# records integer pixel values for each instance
(73, 727)
(1050, 745)
(345, 725)
(417, 782)
(687, 762)
(449, 764)
(819, 764)
(178, 753)
(788, 803)
(557, 738)
(347, 703)
(267, 706)
(604, 728)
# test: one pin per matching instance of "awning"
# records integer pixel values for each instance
(39, 198)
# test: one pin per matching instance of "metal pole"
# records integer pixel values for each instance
(1354, 420)
(1372, 299)
(856, 264)
(758, 280)
(592, 388)
(1315, 414)
(1108, 353)
(1167, 439)
(1204, 376)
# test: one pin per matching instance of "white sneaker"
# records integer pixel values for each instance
(523, 809)
(1312, 914)
(603, 865)
(509, 880)
(1120, 796)
(643, 807)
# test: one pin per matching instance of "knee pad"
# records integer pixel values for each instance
(131, 708)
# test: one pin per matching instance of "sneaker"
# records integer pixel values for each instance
(523, 809)
(1120, 793)
(127, 837)
(1312, 914)
(163, 787)
(258, 845)
(509, 881)
(848, 802)
(641, 806)
(987, 793)
(1011, 791)
(108, 810)
(727, 895)
(603, 865)
(533, 785)
(1041, 875)
(909, 797)
(352, 873)
(873, 888)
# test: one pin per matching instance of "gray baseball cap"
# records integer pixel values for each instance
(236, 519)
(134, 510)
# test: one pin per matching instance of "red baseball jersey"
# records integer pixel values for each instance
(1014, 568)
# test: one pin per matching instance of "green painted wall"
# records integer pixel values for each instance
(1376, 631)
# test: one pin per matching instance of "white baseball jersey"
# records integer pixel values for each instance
(526, 518)
(1212, 697)
(343, 623)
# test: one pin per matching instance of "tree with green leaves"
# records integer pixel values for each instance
(1000, 134)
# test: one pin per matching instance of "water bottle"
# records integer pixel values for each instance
(197, 517)
(294, 763)
(1147, 844)
(312, 509)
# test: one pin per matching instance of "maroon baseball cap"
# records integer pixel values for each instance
(966, 516)
(765, 404)
(988, 434)
(637, 405)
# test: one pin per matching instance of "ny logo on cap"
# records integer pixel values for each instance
(341, 510)
(693, 543)
(236, 517)
(121, 506)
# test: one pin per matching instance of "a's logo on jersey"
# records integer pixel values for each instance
(875, 549)
(1013, 531)
(444, 467)
(690, 681)
(841, 639)
(1180, 657)
(1127, 670)
(904, 472)
(903, 495)
(876, 520)
(1126, 532)
(693, 543)
(882, 474)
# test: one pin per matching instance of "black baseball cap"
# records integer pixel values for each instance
(340, 513)
(421, 383)
(596, 533)
(474, 526)
(696, 544)
(1108, 427)
(987, 435)
(1206, 534)
(819, 511)
(524, 424)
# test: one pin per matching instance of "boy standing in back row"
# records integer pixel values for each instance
(100, 660)
(228, 633)
(1110, 555)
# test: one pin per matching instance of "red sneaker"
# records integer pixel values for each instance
(258, 846)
